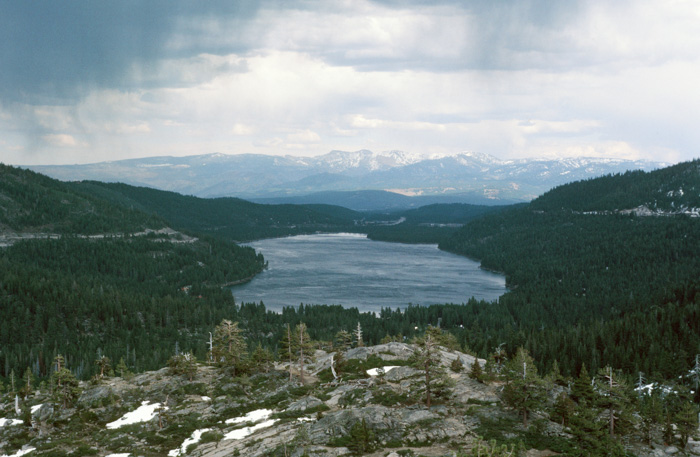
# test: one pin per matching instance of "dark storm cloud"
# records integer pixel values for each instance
(52, 51)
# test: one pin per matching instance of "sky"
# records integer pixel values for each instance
(90, 81)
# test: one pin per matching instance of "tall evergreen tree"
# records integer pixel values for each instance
(651, 415)
(229, 349)
(303, 347)
(687, 422)
(104, 365)
(613, 397)
(427, 359)
(65, 386)
(524, 389)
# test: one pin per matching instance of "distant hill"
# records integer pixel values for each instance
(33, 203)
(380, 200)
(228, 217)
(672, 190)
(474, 178)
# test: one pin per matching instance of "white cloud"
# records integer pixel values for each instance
(305, 136)
(127, 129)
(60, 140)
(242, 129)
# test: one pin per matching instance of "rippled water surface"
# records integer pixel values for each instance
(351, 270)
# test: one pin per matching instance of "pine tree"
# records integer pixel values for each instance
(612, 396)
(229, 349)
(343, 340)
(441, 338)
(104, 365)
(687, 422)
(524, 390)
(361, 438)
(554, 376)
(651, 413)
(184, 363)
(297, 347)
(563, 409)
(427, 359)
(476, 372)
(582, 388)
(590, 434)
(27, 389)
(66, 388)
(123, 370)
(287, 348)
(303, 347)
(262, 358)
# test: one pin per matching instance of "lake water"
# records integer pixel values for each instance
(353, 271)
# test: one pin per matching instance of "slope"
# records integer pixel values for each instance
(601, 288)
(226, 217)
(109, 284)
(33, 203)
(675, 189)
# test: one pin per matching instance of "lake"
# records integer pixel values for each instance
(354, 271)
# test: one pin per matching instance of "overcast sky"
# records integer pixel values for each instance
(88, 81)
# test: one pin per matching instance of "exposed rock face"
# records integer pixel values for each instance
(304, 404)
(267, 415)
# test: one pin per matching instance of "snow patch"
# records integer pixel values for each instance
(253, 416)
(375, 371)
(182, 450)
(20, 452)
(205, 398)
(35, 408)
(143, 413)
(245, 431)
(4, 422)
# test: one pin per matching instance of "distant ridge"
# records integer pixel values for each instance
(250, 176)
(380, 200)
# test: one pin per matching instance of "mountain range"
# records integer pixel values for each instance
(467, 177)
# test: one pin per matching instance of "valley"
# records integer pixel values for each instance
(590, 287)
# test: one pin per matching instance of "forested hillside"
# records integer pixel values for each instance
(675, 189)
(30, 202)
(230, 218)
(427, 224)
(595, 288)
(241, 220)
(111, 284)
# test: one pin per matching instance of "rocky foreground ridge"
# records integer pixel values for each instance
(377, 413)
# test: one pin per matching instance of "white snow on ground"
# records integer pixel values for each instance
(20, 452)
(205, 398)
(253, 416)
(375, 371)
(143, 413)
(245, 431)
(123, 454)
(4, 422)
(35, 408)
(182, 450)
